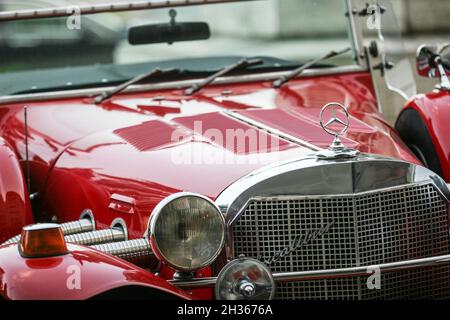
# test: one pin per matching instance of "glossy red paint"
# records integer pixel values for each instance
(122, 157)
(53, 126)
(15, 211)
(55, 277)
(167, 153)
(96, 170)
(434, 108)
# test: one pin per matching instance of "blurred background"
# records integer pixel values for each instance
(295, 30)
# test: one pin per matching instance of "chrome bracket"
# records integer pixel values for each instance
(445, 82)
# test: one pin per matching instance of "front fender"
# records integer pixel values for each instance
(15, 209)
(434, 109)
(81, 274)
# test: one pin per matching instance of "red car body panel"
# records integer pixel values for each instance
(117, 158)
(53, 278)
(15, 210)
(434, 108)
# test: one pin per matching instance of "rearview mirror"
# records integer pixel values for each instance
(169, 32)
(166, 33)
(434, 62)
(426, 66)
(430, 57)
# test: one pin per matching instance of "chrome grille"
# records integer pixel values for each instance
(376, 227)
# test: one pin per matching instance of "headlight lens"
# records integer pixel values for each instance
(187, 231)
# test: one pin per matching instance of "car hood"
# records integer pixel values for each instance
(124, 156)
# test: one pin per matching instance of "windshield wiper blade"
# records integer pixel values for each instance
(241, 64)
(155, 72)
(294, 73)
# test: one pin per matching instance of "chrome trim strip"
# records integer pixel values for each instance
(104, 7)
(332, 273)
(82, 93)
(268, 129)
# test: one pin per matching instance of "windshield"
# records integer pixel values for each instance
(383, 26)
(95, 50)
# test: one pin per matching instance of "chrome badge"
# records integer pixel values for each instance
(335, 120)
(299, 242)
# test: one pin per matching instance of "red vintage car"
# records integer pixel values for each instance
(219, 158)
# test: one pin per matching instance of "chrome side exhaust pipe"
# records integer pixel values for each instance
(68, 228)
(136, 251)
(113, 241)
(79, 226)
(97, 237)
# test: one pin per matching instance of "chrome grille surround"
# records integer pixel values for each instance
(382, 210)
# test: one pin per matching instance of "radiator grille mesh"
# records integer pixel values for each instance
(383, 226)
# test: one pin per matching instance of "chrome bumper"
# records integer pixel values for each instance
(331, 273)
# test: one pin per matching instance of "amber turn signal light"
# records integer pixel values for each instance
(42, 240)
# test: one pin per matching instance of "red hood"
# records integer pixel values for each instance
(124, 156)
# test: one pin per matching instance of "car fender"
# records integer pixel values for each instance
(434, 109)
(15, 209)
(82, 273)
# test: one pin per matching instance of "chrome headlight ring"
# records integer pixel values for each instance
(187, 231)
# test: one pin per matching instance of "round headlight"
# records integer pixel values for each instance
(187, 231)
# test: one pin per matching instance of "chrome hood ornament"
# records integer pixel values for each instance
(335, 120)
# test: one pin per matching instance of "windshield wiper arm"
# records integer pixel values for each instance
(294, 73)
(241, 64)
(155, 72)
